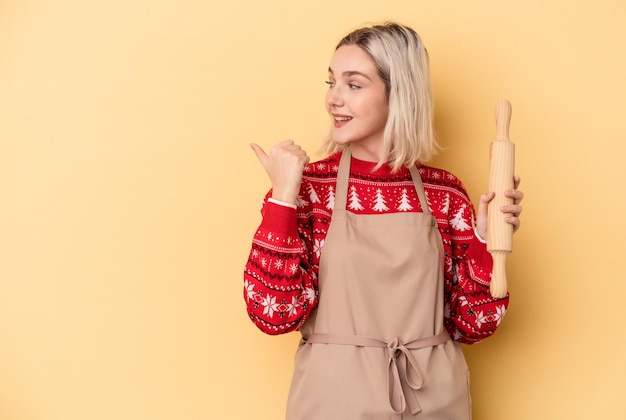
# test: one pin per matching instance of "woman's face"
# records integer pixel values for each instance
(357, 103)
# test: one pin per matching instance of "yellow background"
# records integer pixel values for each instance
(129, 196)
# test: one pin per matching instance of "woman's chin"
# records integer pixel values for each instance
(341, 141)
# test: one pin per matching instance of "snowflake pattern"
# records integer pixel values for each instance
(269, 305)
(249, 287)
(489, 317)
(317, 247)
(292, 307)
(310, 294)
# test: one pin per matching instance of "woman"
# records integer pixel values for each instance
(377, 259)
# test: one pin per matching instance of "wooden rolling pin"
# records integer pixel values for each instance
(501, 171)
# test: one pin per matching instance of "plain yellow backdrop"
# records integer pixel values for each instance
(129, 196)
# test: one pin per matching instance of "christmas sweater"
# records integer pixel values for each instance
(280, 276)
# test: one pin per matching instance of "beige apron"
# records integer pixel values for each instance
(375, 348)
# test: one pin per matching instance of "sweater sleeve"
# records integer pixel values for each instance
(472, 314)
(280, 281)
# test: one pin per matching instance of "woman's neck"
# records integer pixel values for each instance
(368, 154)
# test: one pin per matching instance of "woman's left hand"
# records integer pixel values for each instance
(511, 211)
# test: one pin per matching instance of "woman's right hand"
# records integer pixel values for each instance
(284, 164)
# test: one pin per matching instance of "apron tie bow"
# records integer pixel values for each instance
(403, 378)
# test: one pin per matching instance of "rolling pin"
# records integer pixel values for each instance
(501, 171)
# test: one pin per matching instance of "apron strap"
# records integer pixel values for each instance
(343, 173)
(419, 188)
(403, 374)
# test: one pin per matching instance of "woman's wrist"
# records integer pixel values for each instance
(281, 203)
(479, 236)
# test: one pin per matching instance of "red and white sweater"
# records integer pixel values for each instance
(280, 277)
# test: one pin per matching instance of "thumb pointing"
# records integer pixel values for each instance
(260, 153)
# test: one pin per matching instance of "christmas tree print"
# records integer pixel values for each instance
(379, 202)
(428, 199)
(404, 202)
(355, 203)
(458, 222)
(330, 200)
(313, 195)
(446, 205)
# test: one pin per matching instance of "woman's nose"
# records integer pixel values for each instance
(333, 97)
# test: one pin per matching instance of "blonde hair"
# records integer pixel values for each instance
(402, 63)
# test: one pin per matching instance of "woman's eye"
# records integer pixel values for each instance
(329, 83)
(353, 86)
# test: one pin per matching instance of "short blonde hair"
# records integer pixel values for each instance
(402, 63)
